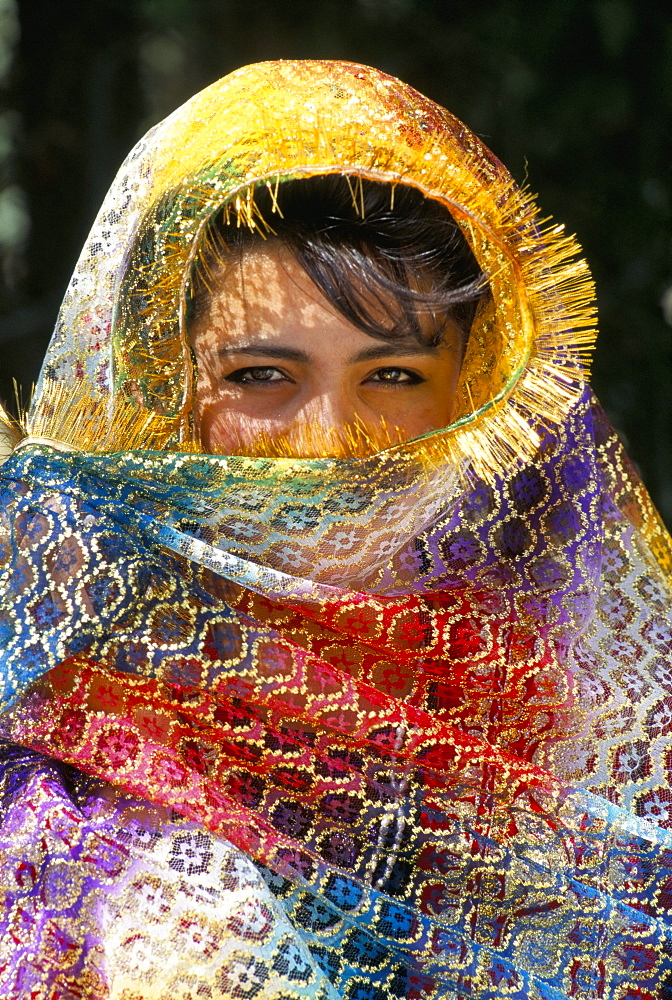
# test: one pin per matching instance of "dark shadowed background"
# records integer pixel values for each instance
(573, 95)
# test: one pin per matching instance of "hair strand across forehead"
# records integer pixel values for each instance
(394, 267)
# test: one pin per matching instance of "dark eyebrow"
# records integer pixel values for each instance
(266, 351)
(392, 349)
(387, 350)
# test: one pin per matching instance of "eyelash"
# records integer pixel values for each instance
(239, 375)
(242, 376)
(412, 377)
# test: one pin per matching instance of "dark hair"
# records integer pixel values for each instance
(392, 262)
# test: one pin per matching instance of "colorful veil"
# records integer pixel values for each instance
(389, 726)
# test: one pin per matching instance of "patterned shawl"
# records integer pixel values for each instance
(380, 727)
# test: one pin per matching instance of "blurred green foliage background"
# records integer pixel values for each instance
(573, 95)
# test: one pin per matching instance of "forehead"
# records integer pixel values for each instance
(255, 272)
(262, 294)
(262, 284)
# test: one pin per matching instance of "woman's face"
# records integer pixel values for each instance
(275, 359)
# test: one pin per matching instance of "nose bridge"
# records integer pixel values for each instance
(334, 405)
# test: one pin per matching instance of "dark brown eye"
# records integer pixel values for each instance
(395, 376)
(257, 373)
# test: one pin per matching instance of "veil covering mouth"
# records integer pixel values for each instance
(393, 723)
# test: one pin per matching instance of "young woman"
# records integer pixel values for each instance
(310, 289)
(336, 643)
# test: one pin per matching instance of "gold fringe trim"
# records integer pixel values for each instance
(545, 328)
(95, 423)
(353, 440)
(505, 430)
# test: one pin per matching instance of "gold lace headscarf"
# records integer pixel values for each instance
(119, 373)
(436, 715)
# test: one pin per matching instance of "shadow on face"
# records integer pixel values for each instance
(277, 360)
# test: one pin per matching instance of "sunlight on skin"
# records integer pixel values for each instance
(274, 356)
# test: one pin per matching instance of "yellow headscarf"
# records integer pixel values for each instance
(528, 353)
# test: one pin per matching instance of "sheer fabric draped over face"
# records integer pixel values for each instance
(372, 726)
